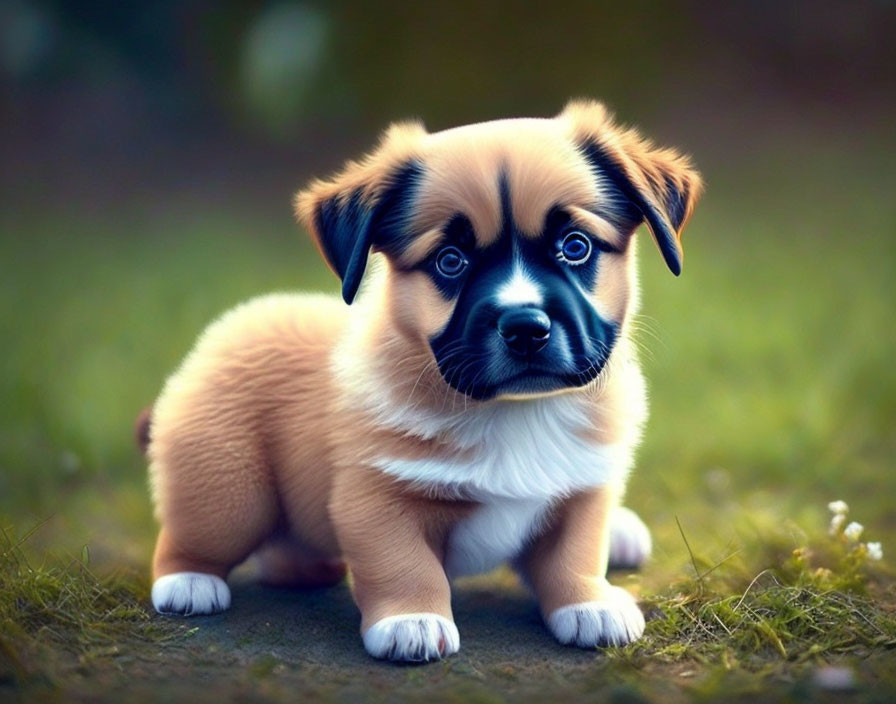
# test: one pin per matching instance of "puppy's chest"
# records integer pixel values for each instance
(493, 534)
(532, 452)
(516, 461)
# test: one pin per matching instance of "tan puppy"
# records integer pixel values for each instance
(479, 404)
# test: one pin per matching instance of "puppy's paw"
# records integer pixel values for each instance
(190, 594)
(412, 638)
(614, 620)
(630, 543)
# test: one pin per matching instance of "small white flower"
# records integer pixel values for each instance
(838, 507)
(837, 523)
(853, 531)
(875, 551)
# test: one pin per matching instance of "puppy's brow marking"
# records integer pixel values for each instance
(506, 204)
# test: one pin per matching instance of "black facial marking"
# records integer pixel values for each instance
(604, 164)
(459, 231)
(474, 357)
(349, 227)
(458, 234)
(506, 205)
(559, 224)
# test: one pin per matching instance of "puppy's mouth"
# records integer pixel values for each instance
(535, 380)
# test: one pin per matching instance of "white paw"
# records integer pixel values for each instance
(615, 620)
(630, 543)
(412, 638)
(190, 594)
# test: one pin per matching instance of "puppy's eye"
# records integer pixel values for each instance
(575, 248)
(450, 261)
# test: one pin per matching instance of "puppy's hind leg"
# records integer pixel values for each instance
(186, 585)
(212, 520)
(283, 563)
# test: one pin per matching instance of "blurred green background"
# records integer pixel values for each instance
(150, 151)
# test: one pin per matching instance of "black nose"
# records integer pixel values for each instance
(525, 330)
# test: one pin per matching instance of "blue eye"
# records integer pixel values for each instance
(575, 248)
(450, 261)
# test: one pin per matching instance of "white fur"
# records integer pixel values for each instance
(190, 594)
(614, 620)
(519, 289)
(412, 638)
(495, 533)
(518, 457)
(630, 543)
(513, 450)
(467, 424)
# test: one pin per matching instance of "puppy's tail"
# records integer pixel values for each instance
(142, 429)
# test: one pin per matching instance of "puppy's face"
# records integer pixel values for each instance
(507, 241)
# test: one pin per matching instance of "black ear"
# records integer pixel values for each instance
(652, 185)
(347, 226)
(663, 205)
(345, 237)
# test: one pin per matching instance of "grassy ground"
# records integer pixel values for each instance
(773, 393)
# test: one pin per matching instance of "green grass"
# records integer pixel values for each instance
(45, 609)
(773, 392)
(806, 603)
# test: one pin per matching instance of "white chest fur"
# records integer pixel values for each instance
(495, 533)
(525, 450)
(515, 459)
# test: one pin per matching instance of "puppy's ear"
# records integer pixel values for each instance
(365, 206)
(660, 185)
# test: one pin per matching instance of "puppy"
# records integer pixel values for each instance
(478, 404)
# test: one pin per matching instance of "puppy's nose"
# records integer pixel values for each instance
(525, 331)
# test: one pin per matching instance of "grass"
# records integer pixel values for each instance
(809, 604)
(773, 392)
(45, 609)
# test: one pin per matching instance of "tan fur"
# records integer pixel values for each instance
(260, 442)
(567, 563)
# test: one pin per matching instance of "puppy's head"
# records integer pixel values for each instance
(507, 241)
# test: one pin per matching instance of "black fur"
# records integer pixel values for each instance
(473, 357)
(349, 227)
(662, 224)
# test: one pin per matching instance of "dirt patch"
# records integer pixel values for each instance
(290, 645)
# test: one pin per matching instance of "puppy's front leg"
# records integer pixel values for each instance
(398, 580)
(566, 567)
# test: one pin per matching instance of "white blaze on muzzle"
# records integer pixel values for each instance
(519, 289)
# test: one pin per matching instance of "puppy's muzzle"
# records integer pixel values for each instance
(525, 331)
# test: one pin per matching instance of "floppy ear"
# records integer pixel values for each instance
(660, 185)
(365, 206)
